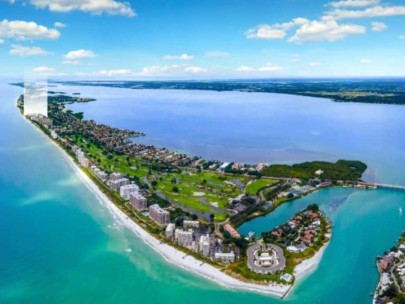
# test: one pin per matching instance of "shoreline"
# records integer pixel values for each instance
(180, 259)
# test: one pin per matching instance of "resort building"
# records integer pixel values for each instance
(99, 173)
(204, 245)
(117, 184)
(159, 215)
(138, 201)
(225, 257)
(184, 238)
(232, 231)
(126, 190)
(191, 224)
(82, 159)
(116, 176)
(170, 230)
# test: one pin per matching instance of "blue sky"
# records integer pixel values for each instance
(192, 39)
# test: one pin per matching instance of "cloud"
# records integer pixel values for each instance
(325, 30)
(296, 58)
(216, 54)
(275, 31)
(1, 41)
(59, 25)
(354, 3)
(402, 37)
(378, 26)
(72, 62)
(269, 67)
(178, 57)
(119, 72)
(195, 70)
(95, 7)
(314, 64)
(23, 30)
(365, 61)
(244, 68)
(20, 50)
(44, 70)
(376, 11)
(154, 70)
(80, 54)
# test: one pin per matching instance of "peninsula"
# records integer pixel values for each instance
(188, 208)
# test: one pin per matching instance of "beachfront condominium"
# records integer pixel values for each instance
(191, 224)
(82, 159)
(170, 230)
(204, 245)
(138, 201)
(159, 215)
(126, 190)
(184, 238)
(225, 257)
(115, 176)
(117, 184)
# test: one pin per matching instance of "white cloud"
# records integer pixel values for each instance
(80, 54)
(402, 37)
(376, 11)
(378, 26)
(59, 25)
(244, 68)
(20, 50)
(178, 57)
(111, 73)
(314, 64)
(325, 30)
(1, 41)
(296, 58)
(195, 70)
(216, 54)
(23, 30)
(354, 3)
(269, 67)
(154, 70)
(275, 31)
(72, 62)
(44, 70)
(96, 7)
(365, 61)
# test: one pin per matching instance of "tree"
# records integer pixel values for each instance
(154, 183)
(212, 217)
(175, 189)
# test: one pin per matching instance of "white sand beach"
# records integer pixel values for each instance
(180, 259)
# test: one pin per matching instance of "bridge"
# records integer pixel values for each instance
(381, 186)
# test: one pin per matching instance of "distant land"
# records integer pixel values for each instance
(371, 90)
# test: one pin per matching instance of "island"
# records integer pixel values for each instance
(368, 90)
(391, 267)
(189, 208)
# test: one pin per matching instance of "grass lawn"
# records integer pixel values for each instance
(258, 184)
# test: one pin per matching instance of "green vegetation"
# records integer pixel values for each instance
(259, 184)
(192, 188)
(341, 170)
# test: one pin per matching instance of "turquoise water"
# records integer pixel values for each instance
(59, 244)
